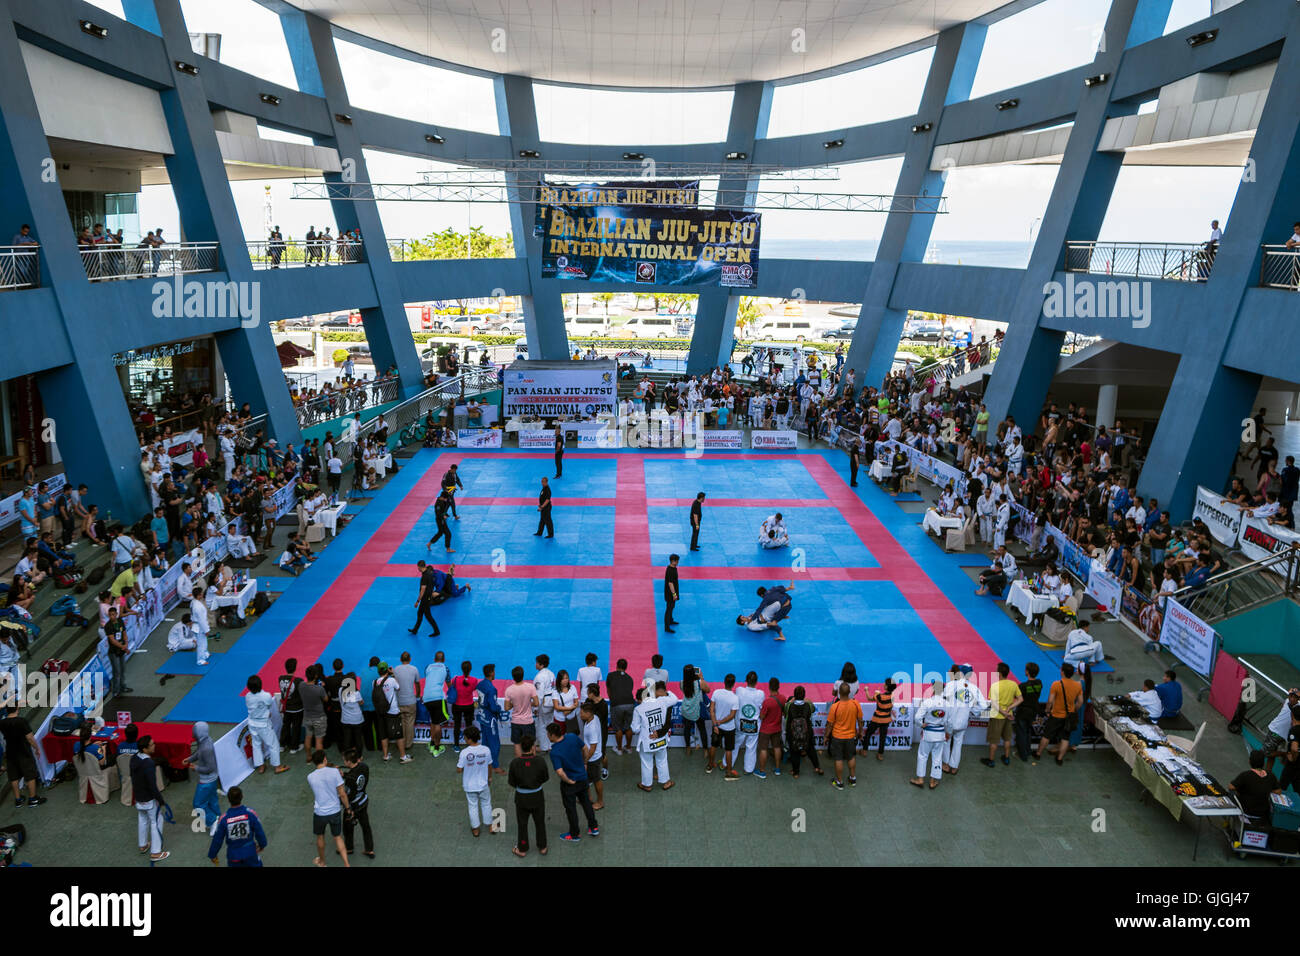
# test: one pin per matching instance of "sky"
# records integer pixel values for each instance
(989, 203)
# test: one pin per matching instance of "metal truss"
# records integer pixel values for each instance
(738, 198)
(629, 169)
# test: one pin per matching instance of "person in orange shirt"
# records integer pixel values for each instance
(1064, 705)
(843, 728)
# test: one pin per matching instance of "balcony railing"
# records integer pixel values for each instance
(295, 253)
(103, 263)
(1187, 262)
(20, 267)
(1280, 268)
(345, 401)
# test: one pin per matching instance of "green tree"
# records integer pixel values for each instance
(749, 311)
(604, 298)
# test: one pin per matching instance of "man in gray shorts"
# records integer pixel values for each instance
(622, 702)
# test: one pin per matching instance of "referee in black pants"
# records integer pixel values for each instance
(425, 600)
(544, 512)
(670, 592)
(697, 515)
(855, 459)
(559, 450)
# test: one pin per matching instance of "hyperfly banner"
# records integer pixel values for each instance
(648, 233)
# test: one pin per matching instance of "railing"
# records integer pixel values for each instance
(1280, 268)
(1243, 588)
(103, 263)
(1265, 701)
(295, 253)
(1188, 262)
(471, 381)
(344, 401)
(958, 364)
(20, 267)
(408, 250)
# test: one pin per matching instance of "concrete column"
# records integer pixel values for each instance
(714, 335)
(543, 308)
(906, 235)
(1107, 397)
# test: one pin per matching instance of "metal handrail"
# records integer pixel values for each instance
(1188, 262)
(103, 263)
(1214, 600)
(20, 267)
(296, 253)
(1280, 268)
(352, 398)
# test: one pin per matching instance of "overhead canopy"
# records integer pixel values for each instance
(290, 354)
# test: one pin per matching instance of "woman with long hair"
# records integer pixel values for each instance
(565, 696)
(694, 691)
(880, 719)
(848, 675)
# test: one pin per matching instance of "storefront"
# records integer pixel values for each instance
(170, 380)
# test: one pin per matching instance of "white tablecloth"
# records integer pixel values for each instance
(935, 523)
(240, 600)
(381, 465)
(1027, 602)
(880, 470)
(328, 518)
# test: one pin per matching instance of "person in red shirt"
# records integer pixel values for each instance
(769, 727)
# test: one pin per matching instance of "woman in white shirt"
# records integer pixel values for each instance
(565, 698)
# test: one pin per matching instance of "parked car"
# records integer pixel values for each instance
(842, 334)
(782, 329)
(469, 325)
(586, 325)
(926, 331)
(648, 327)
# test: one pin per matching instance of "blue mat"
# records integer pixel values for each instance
(729, 538)
(274, 584)
(907, 496)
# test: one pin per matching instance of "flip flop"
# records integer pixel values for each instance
(934, 784)
(644, 787)
(917, 783)
(668, 786)
(319, 862)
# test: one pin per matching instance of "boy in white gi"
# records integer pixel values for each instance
(962, 699)
(265, 740)
(932, 713)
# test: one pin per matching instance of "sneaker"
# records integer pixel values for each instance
(837, 785)
(1006, 761)
(19, 803)
(853, 781)
(388, 756)
(987, 762)
(760, 775)
(569, 838)
(406, 758)
(593, 831)
(776, 771)
(36, 801)
(434, 750)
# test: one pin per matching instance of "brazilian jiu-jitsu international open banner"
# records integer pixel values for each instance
(635, 233)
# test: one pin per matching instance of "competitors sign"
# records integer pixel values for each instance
(1189, 638)
(637, 234)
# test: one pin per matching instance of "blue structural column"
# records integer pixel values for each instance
(1030, 353)
(207, 212)
(1200, 427)
(543, 307)
(715, 314)
(906, 234)
(92, 425)
(388, 333)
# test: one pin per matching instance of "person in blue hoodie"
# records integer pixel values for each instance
(241, 831)
(489, 715)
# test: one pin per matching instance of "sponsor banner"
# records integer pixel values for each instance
(1223, 520)
(537, 439)
(1026, 526)
(286, 499)
(1189, 638)
(1073, 558)
(651, 245)
(719, 439)
(582, 389)
(1104, 588)
(478, 438)
(782, 440)
(1259, 539)
(9, 504)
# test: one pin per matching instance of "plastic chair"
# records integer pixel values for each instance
(1188, 746)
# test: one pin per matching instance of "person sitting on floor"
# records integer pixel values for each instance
(1148, 698)
(291, 561)
(993, 580)
(184, 636)
(1171, 696)
(772, 532)
(1081, 649)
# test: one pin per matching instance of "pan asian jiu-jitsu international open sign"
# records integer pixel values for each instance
(649, 232)
(545, 389)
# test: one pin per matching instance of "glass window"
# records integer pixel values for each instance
(252, 39)
(416, 91)
(567, 114)
(873, 94)
(1016, 50)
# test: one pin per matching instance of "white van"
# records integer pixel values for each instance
(649, 327)
(783, 329)
(576, 325)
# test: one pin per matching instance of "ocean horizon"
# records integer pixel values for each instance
(1010, 255)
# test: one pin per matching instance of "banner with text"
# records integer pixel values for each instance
(1223, 520)
(651, 245)
(781, 440)
(1189, 638)
(478, 437)
(552, 392)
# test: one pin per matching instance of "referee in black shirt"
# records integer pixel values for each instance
(559, 450)
(544, 512)
(670, 592)
(697, 515)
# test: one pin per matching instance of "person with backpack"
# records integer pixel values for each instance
(291, 708)
(799, 733)
(383, 694)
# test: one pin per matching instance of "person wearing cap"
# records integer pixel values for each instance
(962, 698)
